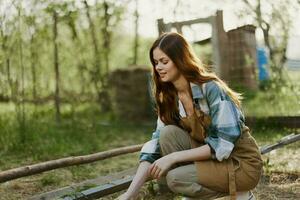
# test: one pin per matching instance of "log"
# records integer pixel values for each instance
(64, 162)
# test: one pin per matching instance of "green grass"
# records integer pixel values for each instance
(86, 131)
(271, 103)
(275, 102)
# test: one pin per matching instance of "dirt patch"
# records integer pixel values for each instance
(275, 186)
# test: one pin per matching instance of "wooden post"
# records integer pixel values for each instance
(219, 40)
(160, 26)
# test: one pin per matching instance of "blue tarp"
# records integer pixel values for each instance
(262, 61)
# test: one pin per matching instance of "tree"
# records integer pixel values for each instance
(56, 67)
(136, 36)
(275, 26)
(96, 72)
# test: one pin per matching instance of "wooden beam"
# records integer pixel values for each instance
(78, 188)
(284, 141)
(64, 162)
(102, 190)
(189, 22)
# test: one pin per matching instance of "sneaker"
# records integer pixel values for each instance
(248, 195)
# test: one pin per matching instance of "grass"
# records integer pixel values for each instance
(271, 103)
(275, 102)
(86, 132)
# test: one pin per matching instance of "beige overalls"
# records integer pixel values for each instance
(211, 178)
(240, 172)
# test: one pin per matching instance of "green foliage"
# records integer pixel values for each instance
(75, 50)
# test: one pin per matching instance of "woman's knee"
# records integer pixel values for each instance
(168, 132)
(172, 181)
(183, 180)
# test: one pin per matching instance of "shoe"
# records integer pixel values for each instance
(248, 195)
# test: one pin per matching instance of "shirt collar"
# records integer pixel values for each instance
(196, 91)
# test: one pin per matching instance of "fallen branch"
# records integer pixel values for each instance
(64, 162)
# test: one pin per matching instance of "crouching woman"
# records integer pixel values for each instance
(201, 146)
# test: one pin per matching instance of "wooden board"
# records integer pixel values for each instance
(116, 182)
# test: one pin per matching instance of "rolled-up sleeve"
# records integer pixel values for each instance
(151, 149)
(225, 127)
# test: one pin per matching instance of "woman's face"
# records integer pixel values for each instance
(165, 67)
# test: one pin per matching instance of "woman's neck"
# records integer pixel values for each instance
(182, 86)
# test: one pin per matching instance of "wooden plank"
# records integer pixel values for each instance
(284, 141)
(102, 190)
(189, 22)
(65, 192)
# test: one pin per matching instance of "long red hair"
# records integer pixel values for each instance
(180, 52)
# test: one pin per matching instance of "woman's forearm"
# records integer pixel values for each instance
(139, 179)
(196, 154)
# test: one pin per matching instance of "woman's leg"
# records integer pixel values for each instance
(182, 178)
(172, 139)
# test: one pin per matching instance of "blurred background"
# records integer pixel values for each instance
(75, 78)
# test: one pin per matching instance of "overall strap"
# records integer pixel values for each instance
(231, 178)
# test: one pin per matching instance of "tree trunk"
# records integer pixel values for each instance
(136, 37)
(106, 35)
(104, 99)
(56, 68)
(81, 65)
(20, 104)
(33, 68)
(96, 74)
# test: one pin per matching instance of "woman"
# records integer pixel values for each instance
(201, 146)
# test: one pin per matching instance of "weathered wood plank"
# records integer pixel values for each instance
(284, 141)
(102, 190)
(65, 192)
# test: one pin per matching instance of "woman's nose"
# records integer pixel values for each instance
(158, 67)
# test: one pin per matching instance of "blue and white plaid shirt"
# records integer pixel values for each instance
(223, 132)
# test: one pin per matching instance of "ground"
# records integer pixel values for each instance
(280, 180)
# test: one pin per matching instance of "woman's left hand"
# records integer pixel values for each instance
(160, 166)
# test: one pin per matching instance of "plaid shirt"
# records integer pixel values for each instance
(223, 132)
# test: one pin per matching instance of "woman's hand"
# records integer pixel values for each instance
(161, 166)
